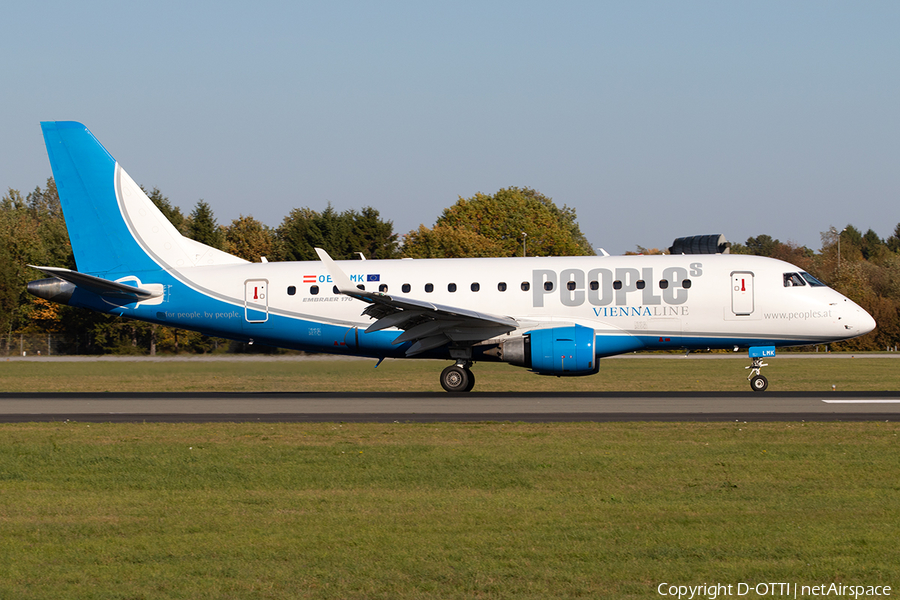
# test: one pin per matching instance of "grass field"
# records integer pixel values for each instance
(442, 511)
(479, 510)
(617, 374)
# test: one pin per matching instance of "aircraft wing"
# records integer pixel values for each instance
(98, 285)
(426, 324)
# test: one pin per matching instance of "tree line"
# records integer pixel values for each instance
(510, 222)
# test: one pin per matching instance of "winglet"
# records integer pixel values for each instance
(340, 278)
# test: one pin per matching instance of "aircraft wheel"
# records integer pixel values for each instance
(759, 383)
(456, 379)
(471, 380)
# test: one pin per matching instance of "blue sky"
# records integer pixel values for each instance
(653, 120)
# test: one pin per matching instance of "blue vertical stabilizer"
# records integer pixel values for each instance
(85, 175)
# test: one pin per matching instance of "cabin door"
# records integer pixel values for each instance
(742, 293)
(256, 300)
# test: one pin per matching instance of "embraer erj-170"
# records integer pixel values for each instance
(553, 316)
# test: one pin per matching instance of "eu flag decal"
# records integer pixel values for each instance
(373, 277)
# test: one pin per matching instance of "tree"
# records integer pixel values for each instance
(32, 232)
(46, 210)
(9, 295)
(291, 237)
(508, 218)
(893, 242)
(443, 241)
(370, 235)
(202, 226)
(873, 247)
(303, 230)
(761, 245)
(851, 244)
(248, 238)
(342, 235)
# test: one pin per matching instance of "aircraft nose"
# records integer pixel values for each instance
(866, 322)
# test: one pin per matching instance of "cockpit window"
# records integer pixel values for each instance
(812, 280)
(793, 279)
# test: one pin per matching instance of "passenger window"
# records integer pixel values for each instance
(570, 286)
(429, 287)
(501, 287)
(334, 290)
(526, 286)
(383, 288)
(686, 283)
(475, 287)
(405, 288)
(292, 290)
(361, 287)
(793, 279)
(617, 285)
(640, 284)
(451, 287)
(548, 285)
(314, 290)
(595, 285)
(663, 284)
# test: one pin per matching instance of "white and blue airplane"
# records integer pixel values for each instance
(553, 316)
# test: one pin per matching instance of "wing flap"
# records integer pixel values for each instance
(397, 319)
(424, 330)
(426, 324)
(428, 343)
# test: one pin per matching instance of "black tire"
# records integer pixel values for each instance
(456, 379)
(759, 383)
(471, 380)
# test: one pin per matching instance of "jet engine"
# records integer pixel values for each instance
(560, 351)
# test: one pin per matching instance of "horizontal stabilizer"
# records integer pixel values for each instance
(98, 285)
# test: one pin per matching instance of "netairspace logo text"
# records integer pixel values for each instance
(771, 590)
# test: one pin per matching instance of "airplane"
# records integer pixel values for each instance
(551, 315)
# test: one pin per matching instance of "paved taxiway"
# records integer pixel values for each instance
(432, 407)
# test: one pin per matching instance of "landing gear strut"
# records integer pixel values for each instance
(758, 382)
(458, 377)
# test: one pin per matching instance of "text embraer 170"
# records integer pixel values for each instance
(553, 316)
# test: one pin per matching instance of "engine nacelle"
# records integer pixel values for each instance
(561, 351)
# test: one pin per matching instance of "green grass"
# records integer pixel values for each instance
(644, 374)
(443, 510)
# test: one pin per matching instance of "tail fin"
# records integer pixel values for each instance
(113, 226)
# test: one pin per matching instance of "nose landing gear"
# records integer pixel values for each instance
(758, 382)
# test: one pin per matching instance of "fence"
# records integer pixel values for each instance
(39, 344)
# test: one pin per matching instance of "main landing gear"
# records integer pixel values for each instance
(458, 377)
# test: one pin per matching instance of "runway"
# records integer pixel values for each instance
(438, 407)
